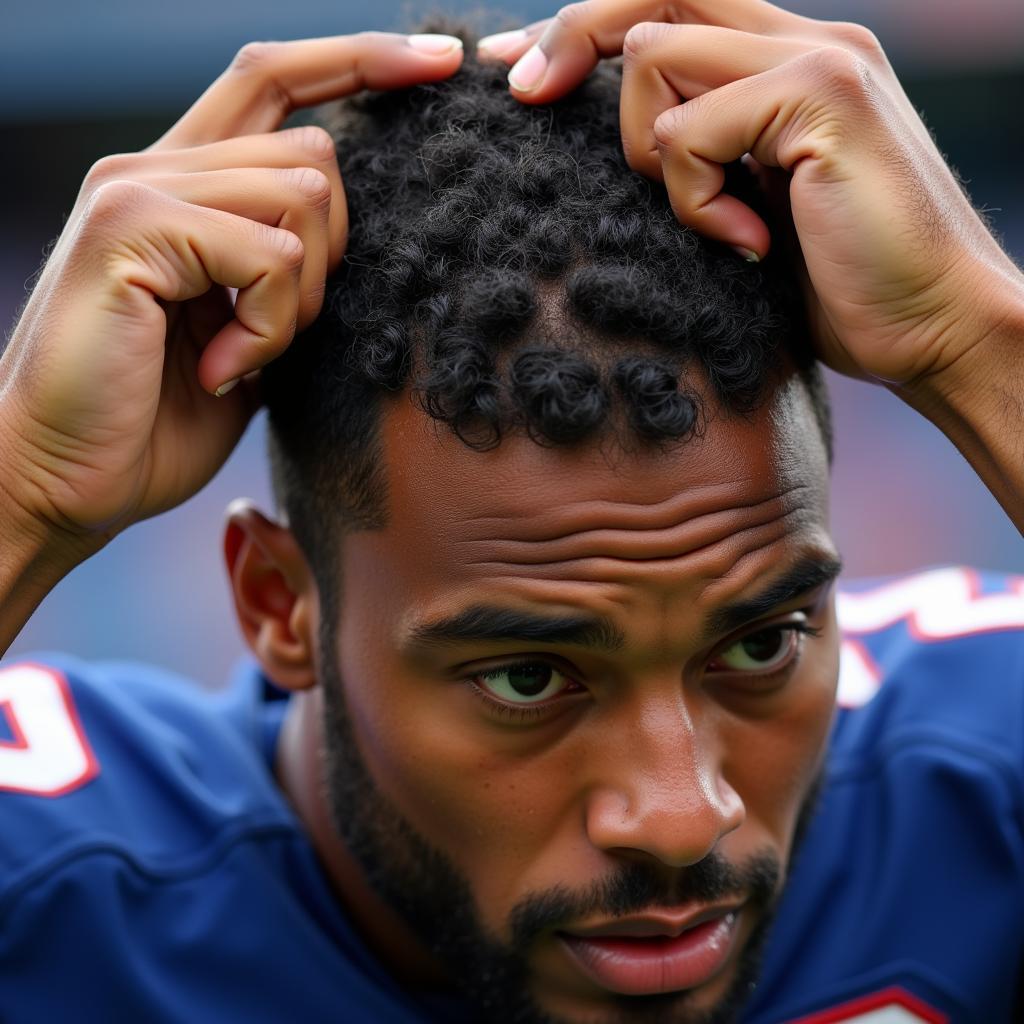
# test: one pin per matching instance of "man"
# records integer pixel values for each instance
(552, 593)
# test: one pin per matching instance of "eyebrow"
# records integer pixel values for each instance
(804, 576)
(494, 624)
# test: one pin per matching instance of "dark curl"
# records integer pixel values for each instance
(559, 394)
(656, 407)
(505, 262)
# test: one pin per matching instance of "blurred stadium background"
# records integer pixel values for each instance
(82, 80)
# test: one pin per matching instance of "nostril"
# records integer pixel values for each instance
(733, 810)
(674, 826)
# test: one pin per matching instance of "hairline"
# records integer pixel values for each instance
(321, 542)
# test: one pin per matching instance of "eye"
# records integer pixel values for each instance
(763, 651)
(528, 682)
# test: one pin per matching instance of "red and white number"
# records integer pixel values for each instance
(942, 604)
(48, 754)
(894, 1005)
(859, 675)
(938, 605)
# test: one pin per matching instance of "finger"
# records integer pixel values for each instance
(266, 307)
(582, 33)
(510, 46)
(268, 81)
(307, 146)
(296, 199)
(783, 117)
(160, 247)
(665, 62)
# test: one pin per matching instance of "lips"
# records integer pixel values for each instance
(647, 956)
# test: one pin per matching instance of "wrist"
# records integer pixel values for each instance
(990, 360)
(977, 400)
(32, 562)
(34, 554)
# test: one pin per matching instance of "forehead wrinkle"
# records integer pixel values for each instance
(649, 547)
(593, 515)
(676, 603)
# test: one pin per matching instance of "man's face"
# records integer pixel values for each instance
(574, 712)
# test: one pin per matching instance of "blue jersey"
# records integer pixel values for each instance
(151, 870)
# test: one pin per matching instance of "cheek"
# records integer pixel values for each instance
(497, 815)
(495, 810)
(776, 758)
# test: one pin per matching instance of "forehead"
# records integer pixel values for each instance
(573, 525)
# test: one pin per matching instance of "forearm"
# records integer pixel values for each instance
(979, 403)
(24, 582)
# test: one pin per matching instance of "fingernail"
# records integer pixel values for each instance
(435, 45)
(748, 254)
(225, 388)
(528, 72)
(500, 42)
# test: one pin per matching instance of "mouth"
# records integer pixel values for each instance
(654, 955)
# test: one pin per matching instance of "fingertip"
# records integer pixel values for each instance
(540, 76)
(754, 241)
(232, 356)
(503, 46)
(434, 44)
(724, 219)
(748, 254)
(528, 73)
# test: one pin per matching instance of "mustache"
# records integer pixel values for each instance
(638, 887)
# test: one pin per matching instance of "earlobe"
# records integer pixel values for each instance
(275, 595)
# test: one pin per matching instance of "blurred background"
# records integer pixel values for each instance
(84, 80)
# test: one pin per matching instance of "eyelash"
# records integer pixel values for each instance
(530, 712)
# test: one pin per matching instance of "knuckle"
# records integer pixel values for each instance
(857, 37)
(275, 341)
(254, 57)
(571, 17)
(114, 200)
(315, 141)
(312, 184)
(640, 38)
(840, 69)
(109, 168)
(669, 124)
(287, 246)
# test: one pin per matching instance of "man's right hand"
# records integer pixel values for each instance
(109, 407)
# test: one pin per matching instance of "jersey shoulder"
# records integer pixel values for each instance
(937, 653)
(125, 759)
(905, 899)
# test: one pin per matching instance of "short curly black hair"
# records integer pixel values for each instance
(506, 263)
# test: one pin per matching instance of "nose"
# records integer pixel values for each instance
(662, 796)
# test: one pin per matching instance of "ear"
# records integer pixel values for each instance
(275, 595)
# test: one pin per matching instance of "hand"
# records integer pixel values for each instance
(901, 276)
(108, 411)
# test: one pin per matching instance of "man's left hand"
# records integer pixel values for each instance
(902, 277)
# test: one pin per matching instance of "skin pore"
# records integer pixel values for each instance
(566, 685)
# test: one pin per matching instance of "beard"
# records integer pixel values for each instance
(427, 889)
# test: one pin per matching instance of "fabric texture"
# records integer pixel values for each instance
(150, 869)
